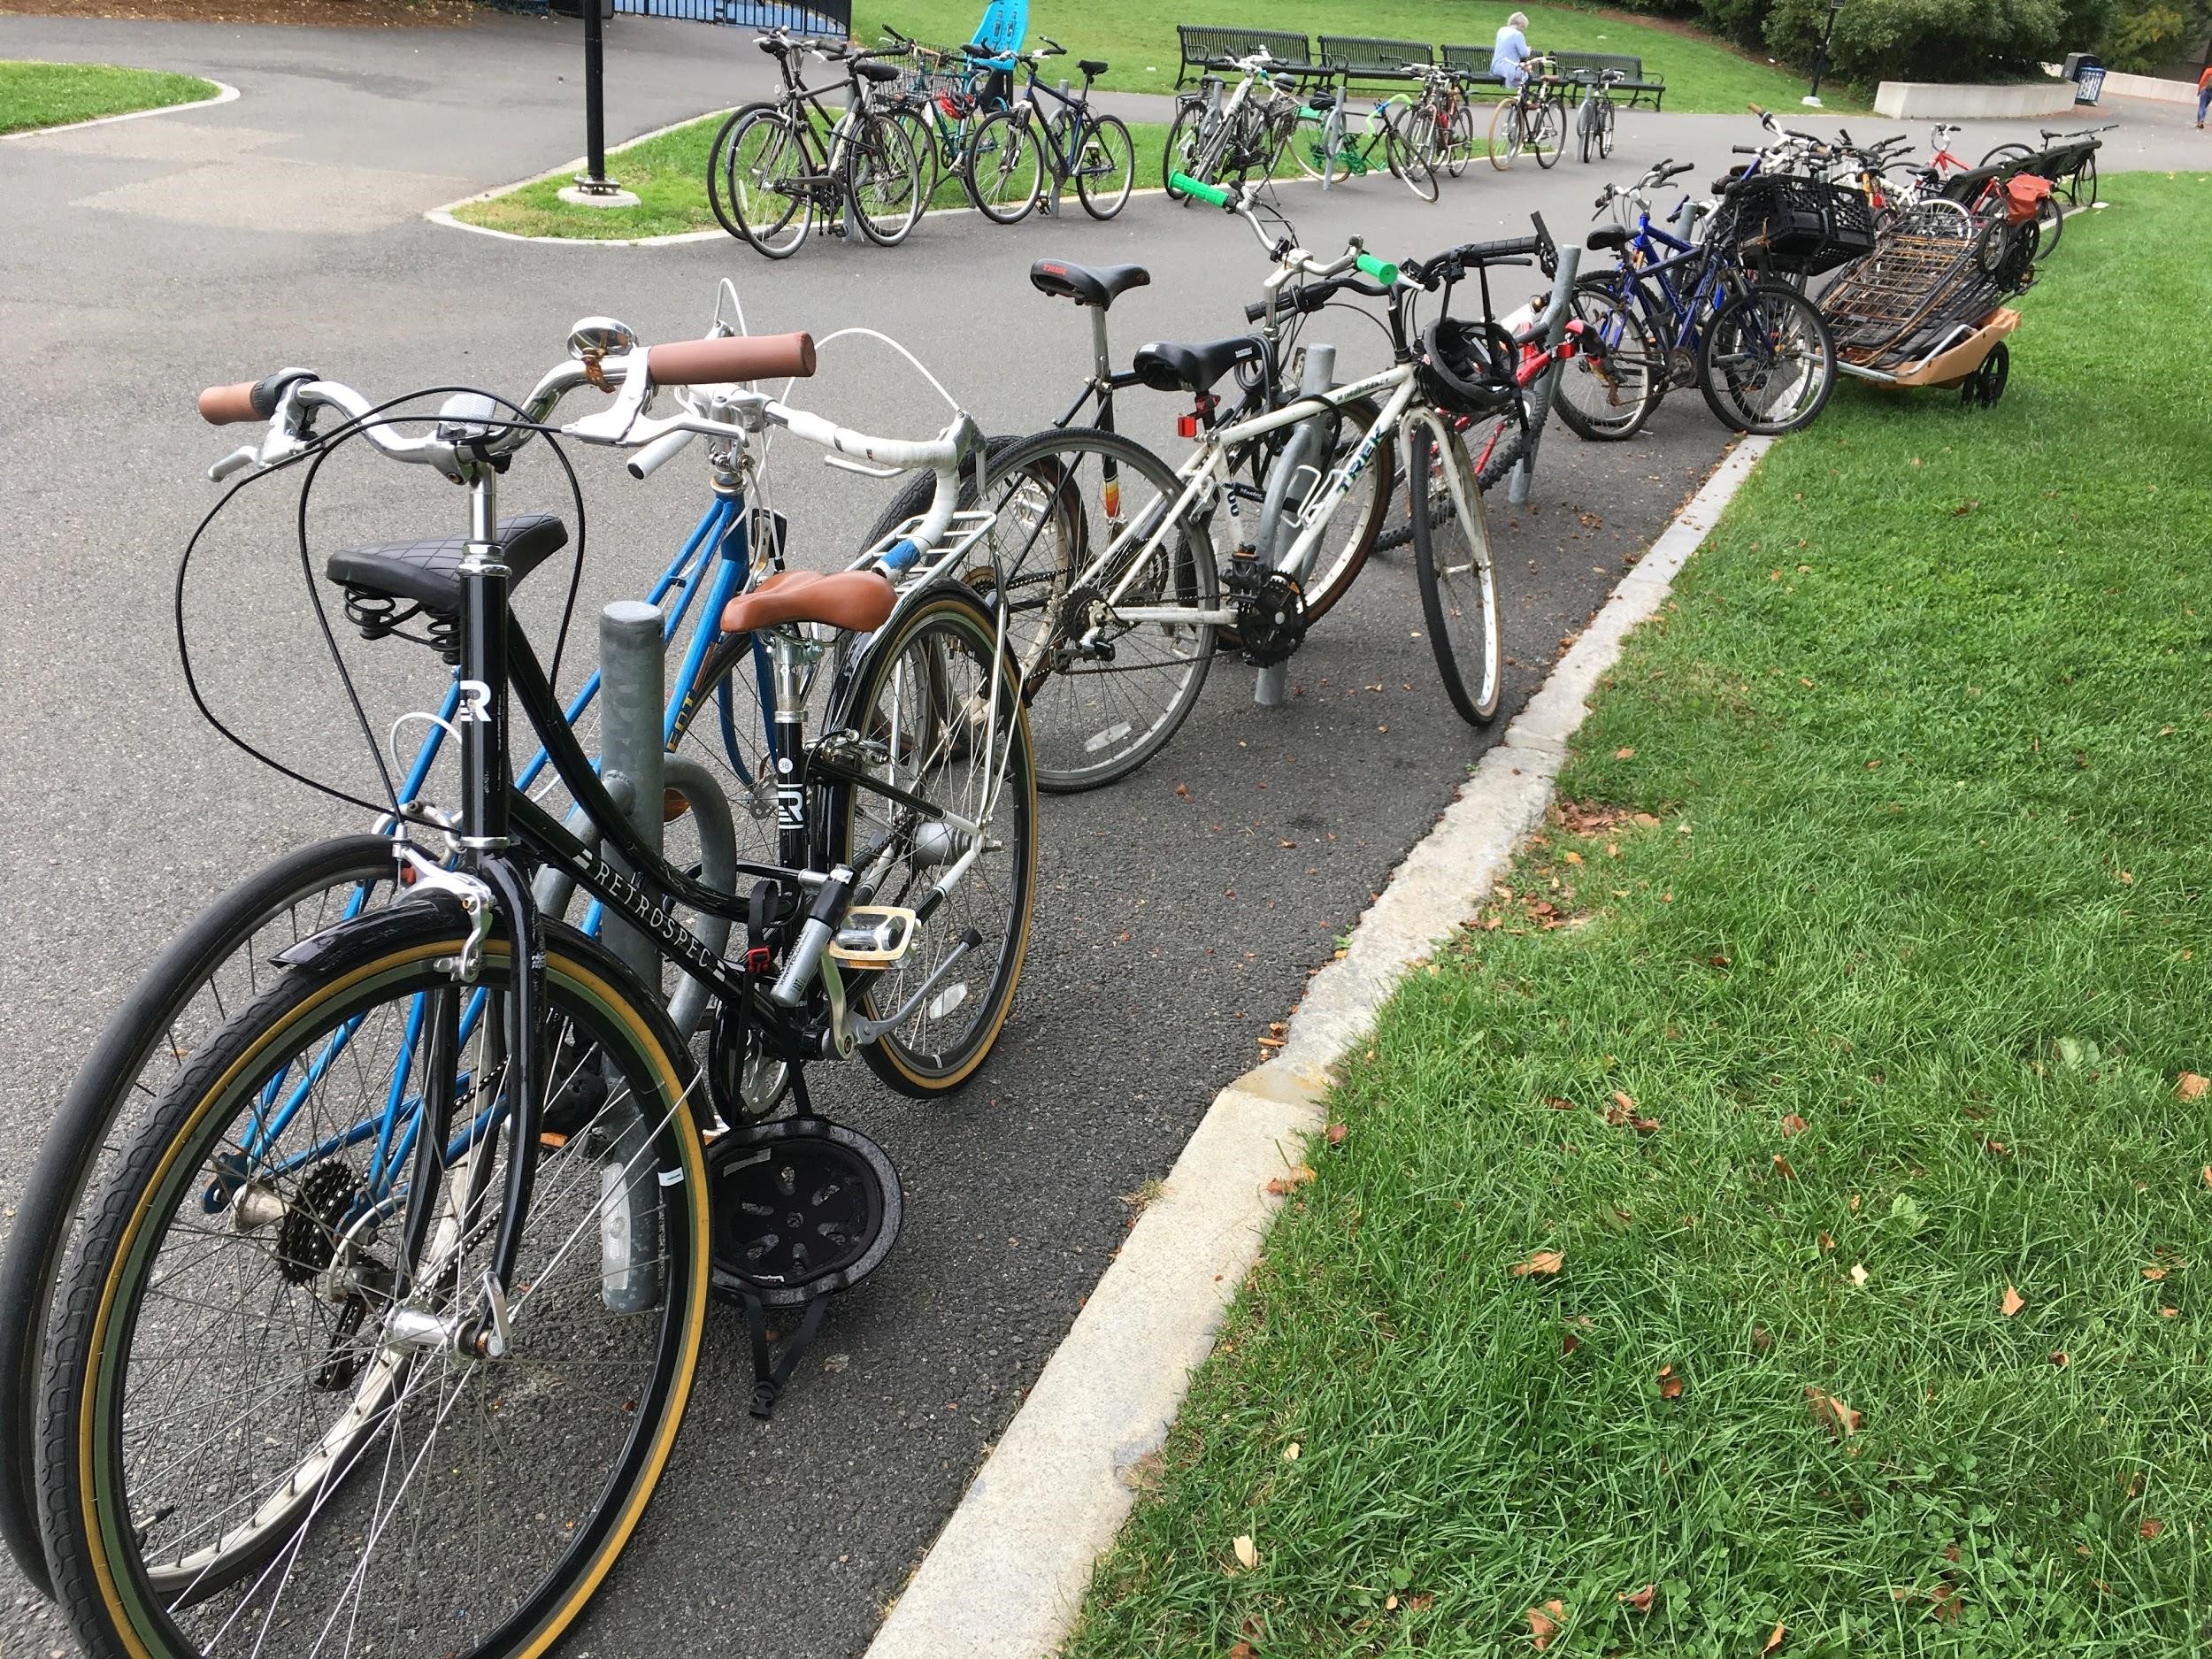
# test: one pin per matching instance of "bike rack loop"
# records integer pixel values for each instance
(632, 703)
(1547, 387)
(1317, 372)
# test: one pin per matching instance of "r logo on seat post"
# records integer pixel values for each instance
(475, 705)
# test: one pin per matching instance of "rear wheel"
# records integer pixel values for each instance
(1313, 144)
(1005, 167)
(1546, 131)
(1459, 582)
(884, 181)
(1768, 361)
(2003, 153)
(2081, 189)
(1463, 140)
(279, 1403)
(2050, 225)
(1075, 510)
(939, 705)
(1106, 167)
(1407, 160)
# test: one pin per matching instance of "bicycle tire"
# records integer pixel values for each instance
(1001, 152)
(1606, 117)
(781, 140)
(2081, 189)
(2001, 153)
(1180, 153)
(1500, 449)
(1618, 382)
(120, 1593)
(1505, 133)
(715, 164)
(2050, 225)
(1458, 583)
(1408, 163)
(1738, 335)
(907, 679)
(1111, 135)
(923, 140)
(1551, 124)
(880, 163)
(1462, 141)
(1051, 489)
(168, 1013)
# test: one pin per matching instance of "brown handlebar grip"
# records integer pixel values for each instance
(739, 358)
(227, 405)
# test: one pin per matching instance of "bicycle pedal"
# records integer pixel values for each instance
(874, 935)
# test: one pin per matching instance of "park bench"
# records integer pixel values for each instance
(1369, 57)
(1204, 43)
(1589, 68)
(1473, 62)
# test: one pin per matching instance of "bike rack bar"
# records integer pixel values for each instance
(632, 700)
(1547, 387)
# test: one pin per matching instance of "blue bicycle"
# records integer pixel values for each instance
(1759, 350)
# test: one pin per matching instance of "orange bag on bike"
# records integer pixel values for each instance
(2023, 196)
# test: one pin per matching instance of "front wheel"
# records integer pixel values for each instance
(1605, 128)
(1005, 167)
(2081, 189)
(1768, 361)
(283, 1399)
(1548, 131)
(1462, 142)
(1607, 390)
(1105, 167)
(2050, 225)
(2003, 153)
(1184, 139)
(1408, 162)
(937, 703)
(1457, 579)
(765, 168)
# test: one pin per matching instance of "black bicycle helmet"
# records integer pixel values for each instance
(802, 1207)
(1464, 365)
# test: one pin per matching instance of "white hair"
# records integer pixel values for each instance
(1518, 20)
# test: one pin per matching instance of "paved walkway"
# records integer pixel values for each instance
(148, 260)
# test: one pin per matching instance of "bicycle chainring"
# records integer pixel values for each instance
(1270, 616)
(307, 1238)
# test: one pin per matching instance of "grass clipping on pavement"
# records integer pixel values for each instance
(56, 95)
(1777, 1225)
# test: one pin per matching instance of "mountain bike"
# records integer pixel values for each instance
(439, 1200)
(1593, 121)
(1759, 351)
(776, 167)
(1011, 151)
(1533, 120)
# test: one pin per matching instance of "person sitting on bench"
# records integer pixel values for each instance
(1509, 60)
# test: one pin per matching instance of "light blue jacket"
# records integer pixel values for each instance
(1511, 52)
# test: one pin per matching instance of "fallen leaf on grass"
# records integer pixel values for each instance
(2060, 1358)
(1241, 1650)
(2151, 1527)
(1248, 1553)
(1945, 1604)
(1640, 1599)
(1669, 1385)
(2189, 1085)
(1544, 1262)
(1336, 1133)
(1543, 1623)
(1780, 1630)
(1623, 754)
(1827, 1243)
(2170, 1313)
(1782, 1167)
(1793, 1125)
(1831, 1413)
(1560, 1103)
(1291, 1182)
(2013, 1302)
(1859, 1274)
(2153, 1273)
(1420, 1603)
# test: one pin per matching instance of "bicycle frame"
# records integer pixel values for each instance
(1642, 276)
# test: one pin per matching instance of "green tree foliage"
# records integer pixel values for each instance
(1949, 39)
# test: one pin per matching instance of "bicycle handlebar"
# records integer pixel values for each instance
(732, 357)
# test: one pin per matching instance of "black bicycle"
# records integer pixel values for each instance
(1012, 150)
(289, 1399)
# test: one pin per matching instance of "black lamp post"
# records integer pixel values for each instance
(1811, 100)
(595, 182)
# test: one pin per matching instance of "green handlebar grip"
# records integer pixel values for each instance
(1381, 270)
(1188, 186)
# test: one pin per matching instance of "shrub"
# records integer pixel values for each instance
(1938, 40)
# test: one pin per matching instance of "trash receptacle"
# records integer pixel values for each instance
(2086, 70)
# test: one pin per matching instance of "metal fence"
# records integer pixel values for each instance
(815, 17)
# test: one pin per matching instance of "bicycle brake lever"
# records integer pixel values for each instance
(236, 461)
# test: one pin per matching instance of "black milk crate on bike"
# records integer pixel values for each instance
(1780, 222)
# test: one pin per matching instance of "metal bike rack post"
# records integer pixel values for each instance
(1562, 289)
(632, 700)
(1051, 207)
(1317, 372)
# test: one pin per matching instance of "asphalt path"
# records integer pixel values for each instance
(1179, 913)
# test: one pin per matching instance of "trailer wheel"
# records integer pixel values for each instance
(1986, 384)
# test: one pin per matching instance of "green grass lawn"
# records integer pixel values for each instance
(669, 176)
(54, 95)
(1852, 1087)
(1137, 38)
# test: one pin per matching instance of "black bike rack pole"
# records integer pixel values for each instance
(1547, 383)
(595, 182)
